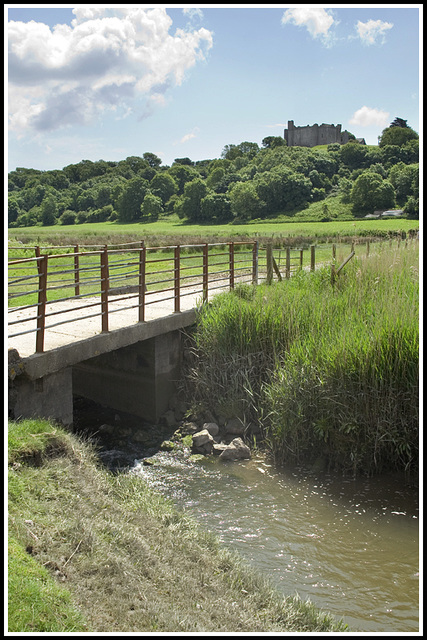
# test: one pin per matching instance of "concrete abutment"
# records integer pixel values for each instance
(138, 378)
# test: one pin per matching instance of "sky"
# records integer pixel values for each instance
(92, 82)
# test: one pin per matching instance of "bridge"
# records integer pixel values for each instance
(106, 323)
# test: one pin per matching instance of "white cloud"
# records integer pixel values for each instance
(367, 116)
(193, 13)
(316, 20)
(188, 136)
(105, 60)
(373, 31)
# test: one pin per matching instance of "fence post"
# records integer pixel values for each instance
(141, 283)
(367, 248)
(333, 274)
(37, 252)
(177, 279)
(231, 262)
(288, 262)
(105, 285)
(76, 271)
(334, 251)
(313, 257)
(205, 272)
(41, 303)
(301, 258)
(255, 262)
(269, 256)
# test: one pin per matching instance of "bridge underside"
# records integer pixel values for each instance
(137, 378)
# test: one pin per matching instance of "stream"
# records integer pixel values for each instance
(349, 545)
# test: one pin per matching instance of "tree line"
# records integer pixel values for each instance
(246, 182)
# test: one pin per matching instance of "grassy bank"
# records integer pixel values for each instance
(330, 373)
(96, 552)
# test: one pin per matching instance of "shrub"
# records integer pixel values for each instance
(68, 217)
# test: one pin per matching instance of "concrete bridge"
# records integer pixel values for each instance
(119, 346)
(132, 369)
(116, 339)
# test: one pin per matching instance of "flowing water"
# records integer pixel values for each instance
(350, 545)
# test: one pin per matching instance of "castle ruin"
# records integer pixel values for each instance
(315, 134)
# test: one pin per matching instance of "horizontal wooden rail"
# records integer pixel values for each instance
(98, 277)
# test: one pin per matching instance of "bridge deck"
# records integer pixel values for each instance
(76, 328)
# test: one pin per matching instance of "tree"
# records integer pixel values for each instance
(194, 192)
(153, 160)
(404, 178)
(67, 217)
(272, 142)
(151, 207)
(103, 195)
(48, 211)
(370, 192)
(215, 177)
(232, 151)
(13, 209)
(282, 189)
(353, 155)
(182, 174)
(399, 122)
(130, 200)
(163, 186)
(397, 135)
(216, 207)
(245, 201)
(186, 161)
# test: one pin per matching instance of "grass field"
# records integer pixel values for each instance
(172, 230)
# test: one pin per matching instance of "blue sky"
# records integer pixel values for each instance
(87, 82)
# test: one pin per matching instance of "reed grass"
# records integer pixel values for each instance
(329, 372)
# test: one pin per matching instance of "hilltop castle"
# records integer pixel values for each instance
(310, 136)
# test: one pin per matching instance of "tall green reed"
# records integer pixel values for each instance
(329, 372)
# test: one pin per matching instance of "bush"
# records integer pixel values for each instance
(68, 217)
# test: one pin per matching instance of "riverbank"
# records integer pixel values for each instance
(329, 371)
(101, 552)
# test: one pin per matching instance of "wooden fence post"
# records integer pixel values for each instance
(177, 292)
(334, 251)
(41, 303)
(105, 285)
(205, 271)
(269, 256)
(38, 255)
(141, 283)
(367, 248)
(301, 259)
(288, 262)
(231, 262)
(76, 271)
(255, 262)
(313, 257)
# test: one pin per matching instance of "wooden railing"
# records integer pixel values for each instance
(91, 279)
